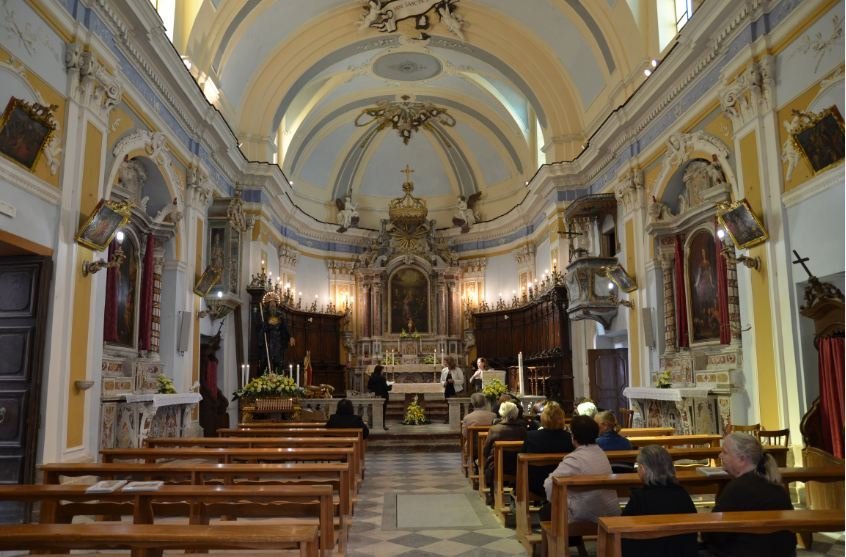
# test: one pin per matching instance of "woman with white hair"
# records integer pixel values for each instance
(756, 486)
(660, 494)
(510, 428)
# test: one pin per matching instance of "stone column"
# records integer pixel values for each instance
(669, 304)
(441, 327)
(376, 308)
(733, 300)
(454, 309)
(156, 326)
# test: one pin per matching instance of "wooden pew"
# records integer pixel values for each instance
(151, 539)
(708, 440)
(646, 431)
(300, 432)
(613, 529)
(500, 449)
(227, 455)
(281, 425)
(337, 474)
(522, 497)
(61, 503)
(557, 532)
(473, 450)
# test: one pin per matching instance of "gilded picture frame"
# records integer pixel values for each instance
(207, 280)
(100, 227)
(744, 228)
(618, 275)
(25, 129)
(821, 140)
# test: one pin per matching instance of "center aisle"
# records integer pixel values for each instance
(418, 504)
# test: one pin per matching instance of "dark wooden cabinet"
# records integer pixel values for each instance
(319, 333)
(539, 329)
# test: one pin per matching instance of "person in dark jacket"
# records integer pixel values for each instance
(756, 486)
(610, 440)
(510, 429)
(378, 385)
(660, 494)
(550, 438)
(344, 417)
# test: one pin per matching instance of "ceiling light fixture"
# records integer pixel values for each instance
(404, 116)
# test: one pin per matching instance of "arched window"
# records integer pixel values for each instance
(167, 11)
(672, 16)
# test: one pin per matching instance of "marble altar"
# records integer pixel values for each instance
(689, 410)
(150, 415)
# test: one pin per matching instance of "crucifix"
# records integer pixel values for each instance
(801, 261)
(408, 172)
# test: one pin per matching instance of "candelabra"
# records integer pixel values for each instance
(730, 255)
(116, 259)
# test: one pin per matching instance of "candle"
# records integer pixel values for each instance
(244, 374)
(298, 375)
(435, 358)
(290, 370)
(520, 371)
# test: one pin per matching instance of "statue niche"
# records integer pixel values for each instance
(409, 301)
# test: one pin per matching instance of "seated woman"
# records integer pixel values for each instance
(610, 440)
(586, 458)
(660, 494)
(345, 417)
(550, 438)
(756, 486)
(511, 428)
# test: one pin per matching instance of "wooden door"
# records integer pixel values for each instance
(24, 291)
(609, 374)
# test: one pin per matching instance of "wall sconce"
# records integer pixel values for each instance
(216, 308)
(91, 267)
(730, 255)
(614, 299)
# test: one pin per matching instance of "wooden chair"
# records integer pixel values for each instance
(625, 417)
(753, 429)
(777, 437)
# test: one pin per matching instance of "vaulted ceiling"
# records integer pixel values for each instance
(526, 82)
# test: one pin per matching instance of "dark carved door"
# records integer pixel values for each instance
(24, 287)
(609, 375)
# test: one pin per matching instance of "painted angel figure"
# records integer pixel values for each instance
(371, 16)
(347, 213)
(452, 21)
(465, 212)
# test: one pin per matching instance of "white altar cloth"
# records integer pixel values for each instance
(159, 400)
(671, 394)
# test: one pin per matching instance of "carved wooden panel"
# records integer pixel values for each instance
(12, 418)
(17, 291)
(15, 349)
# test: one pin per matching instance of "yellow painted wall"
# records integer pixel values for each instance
(82, 290)
(761, 315)
(198, 266)
(634, 334)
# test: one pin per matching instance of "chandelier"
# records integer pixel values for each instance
(404, 116)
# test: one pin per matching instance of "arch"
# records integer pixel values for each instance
(684, 147)
(152, 146)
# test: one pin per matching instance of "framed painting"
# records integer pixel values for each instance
(821, 140)
(103, 223)
(701, 265)
(209, 278)
(127, 277)
(621, 278)
(409, 301)
(25, 129)
(742, 225)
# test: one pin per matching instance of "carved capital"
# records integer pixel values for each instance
(629, 190)
(91, 85)
(525, 255)
(238, 219)
(287, 257)
(477, 265)
(751, 94)
(197, 189)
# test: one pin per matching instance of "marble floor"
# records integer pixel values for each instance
(418, 504)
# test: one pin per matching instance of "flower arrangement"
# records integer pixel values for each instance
(414, 414)
(494, 389)
(665, 380)
(271, 384)
(429, 359)
(165, 385)
(405, 334)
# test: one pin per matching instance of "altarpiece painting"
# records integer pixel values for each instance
(409, 302)
(702, 287)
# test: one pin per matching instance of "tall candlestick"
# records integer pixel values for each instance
(243, 374)
(520, 371)
(298, 375)
(435, 358)
(290, 370)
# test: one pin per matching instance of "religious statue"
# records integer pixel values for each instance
(465, 215)
(276, 335)
(347, 213)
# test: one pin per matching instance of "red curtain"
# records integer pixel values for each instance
(831, 393)
(681, 299)
(722, 294)
(145, 321)
(110, 315)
